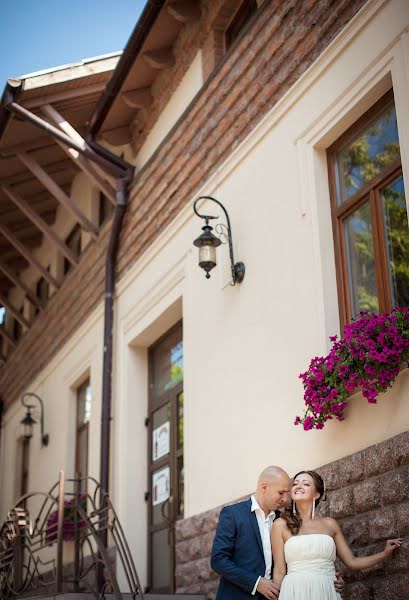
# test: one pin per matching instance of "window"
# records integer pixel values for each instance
(241, 18)
(83, 417)
(42, 290)
(73, 242)
(17, 330)
(105, 209)
(22, 468)
(369, 214)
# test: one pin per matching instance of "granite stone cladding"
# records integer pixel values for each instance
(367, 492)
(277, 47)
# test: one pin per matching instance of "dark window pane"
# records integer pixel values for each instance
(73, 241)
(180, 420)
(397, 236)
(17, 330)
(84, 399)
(242, 17)
(367, 154)
(105, 209)
(161, 560)
(181, 486)
(361, 263)
(42, 290)
(82, 441)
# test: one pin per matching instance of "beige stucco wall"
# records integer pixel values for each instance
(190, 84)
(57, 384)
(244, 346)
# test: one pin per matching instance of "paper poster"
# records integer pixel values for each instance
(160, 486)
(161, 441)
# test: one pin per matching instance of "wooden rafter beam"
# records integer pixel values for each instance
(79, 159)
(86, 90)
(118, 136)
(20, 284)
(139, 98)
(14, 311)
(9, 339)
(184, 11)
(58, 193)
(162, 58)
(30, 258)
(38, 222)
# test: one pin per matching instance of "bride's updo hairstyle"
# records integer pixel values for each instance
(294, 521)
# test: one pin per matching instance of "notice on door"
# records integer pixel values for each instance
(161, 441)
(160, 486)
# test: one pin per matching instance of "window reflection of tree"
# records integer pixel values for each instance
(370, 153)
(397, 236)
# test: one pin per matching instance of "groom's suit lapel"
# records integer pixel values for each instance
(253, 520)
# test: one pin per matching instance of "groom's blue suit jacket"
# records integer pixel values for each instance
(237, 553)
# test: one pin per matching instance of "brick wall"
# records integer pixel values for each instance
(368, 493)
(284, 39)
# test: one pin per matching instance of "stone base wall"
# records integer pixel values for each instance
(367, 492)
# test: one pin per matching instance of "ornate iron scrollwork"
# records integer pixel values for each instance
(32, 552)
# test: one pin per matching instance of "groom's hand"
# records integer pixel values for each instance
(267, 588)
(339, 583)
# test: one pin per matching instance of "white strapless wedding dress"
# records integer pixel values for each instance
(310, 568)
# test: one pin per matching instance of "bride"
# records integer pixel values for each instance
(305, 546)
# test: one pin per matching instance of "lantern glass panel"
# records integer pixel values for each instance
(207, 254)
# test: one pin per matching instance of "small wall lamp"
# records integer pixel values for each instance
(207, 243)
(28, 421)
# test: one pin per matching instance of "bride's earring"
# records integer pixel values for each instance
(294, 509)
(313, 509)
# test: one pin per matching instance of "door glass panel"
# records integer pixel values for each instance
(180, 420)
(181, 486)
(160, 559)
(160, 496)
(361, 263)
(167, 364)
(397, 241)
(161, 432)
(367, 154)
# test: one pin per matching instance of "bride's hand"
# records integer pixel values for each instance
(391, 545)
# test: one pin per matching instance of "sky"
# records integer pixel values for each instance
(39, 34)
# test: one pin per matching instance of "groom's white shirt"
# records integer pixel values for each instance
(264, 524)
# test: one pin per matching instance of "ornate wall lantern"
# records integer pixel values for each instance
(207, 243)
(28, 422)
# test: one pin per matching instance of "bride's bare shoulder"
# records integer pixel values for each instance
(331, 524)
(280, 524)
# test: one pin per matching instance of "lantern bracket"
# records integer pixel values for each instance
(237, 269)
(45, 438)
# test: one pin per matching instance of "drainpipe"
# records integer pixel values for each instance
(110, 264)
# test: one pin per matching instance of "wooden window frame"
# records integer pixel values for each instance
(370, 192)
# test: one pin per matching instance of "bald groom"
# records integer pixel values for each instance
(241, 552)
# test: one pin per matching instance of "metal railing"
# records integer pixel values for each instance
(32, 550)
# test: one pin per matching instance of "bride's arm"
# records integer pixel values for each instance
(277, 546)
(360, 562)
